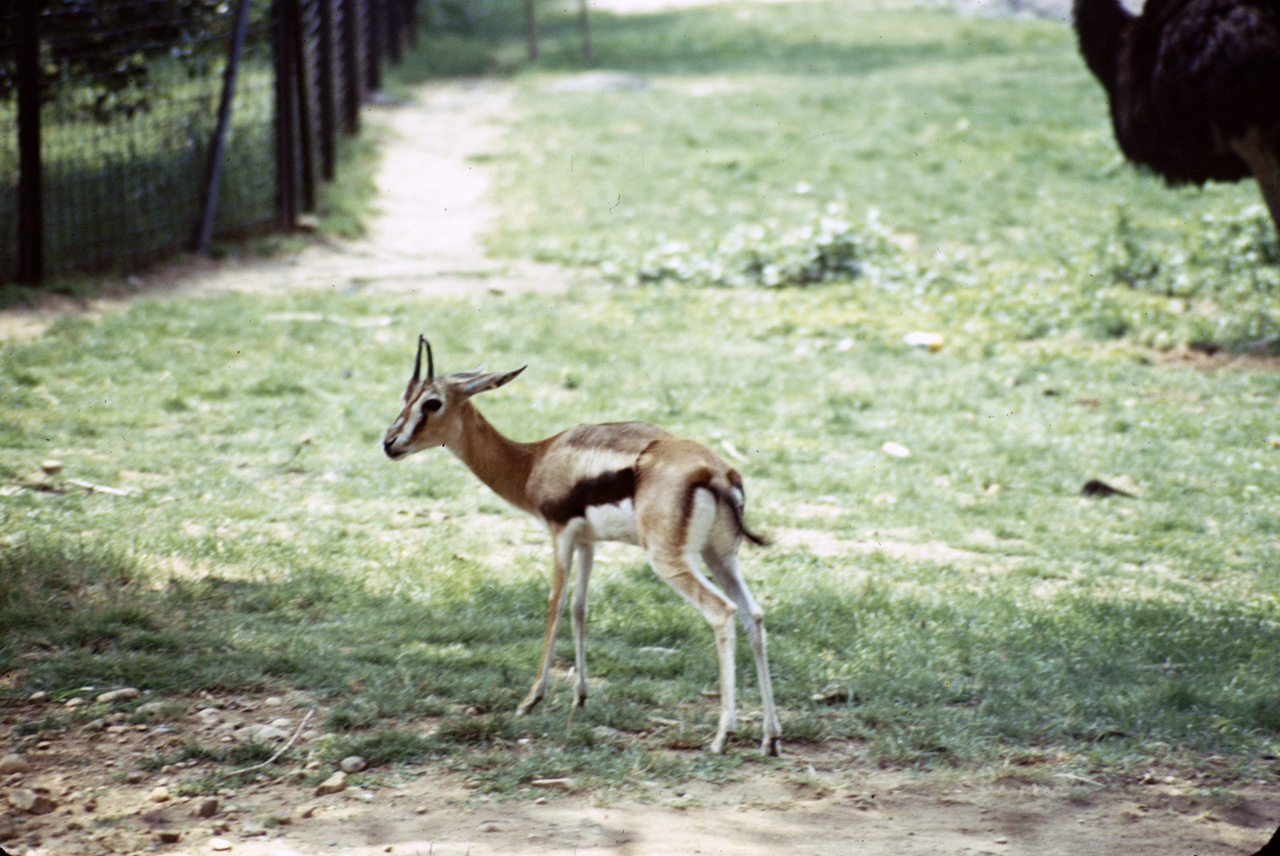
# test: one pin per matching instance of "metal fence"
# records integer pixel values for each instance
(133, 128)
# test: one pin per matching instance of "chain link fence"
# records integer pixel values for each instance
(133, 128)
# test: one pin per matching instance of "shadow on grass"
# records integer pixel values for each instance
(929, 680)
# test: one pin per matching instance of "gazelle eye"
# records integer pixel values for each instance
(431, 405)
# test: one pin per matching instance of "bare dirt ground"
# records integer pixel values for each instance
(102, 796)
(95, 792)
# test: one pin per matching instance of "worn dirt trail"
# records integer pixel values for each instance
(818, 800)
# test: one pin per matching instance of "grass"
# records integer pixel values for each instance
(964, 607)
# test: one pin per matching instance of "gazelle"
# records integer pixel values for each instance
(622, 481)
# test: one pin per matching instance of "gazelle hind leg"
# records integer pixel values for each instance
(725, 571)
(586, 553)
(555, 606)
(682, 574)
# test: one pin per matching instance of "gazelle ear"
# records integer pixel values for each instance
(486, 382)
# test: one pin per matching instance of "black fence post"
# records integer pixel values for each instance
(204, 231)
(395, 30)
(306, 103)
(30, 170)
(373, 39)
(353, 79)
(328, 91)
(286, 116)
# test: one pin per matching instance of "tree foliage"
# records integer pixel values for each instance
(108, 52)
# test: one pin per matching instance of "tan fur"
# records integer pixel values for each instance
(622, 481)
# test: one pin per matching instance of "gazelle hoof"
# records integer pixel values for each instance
(769, 748)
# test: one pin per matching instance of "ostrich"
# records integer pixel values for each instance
(1194, 86)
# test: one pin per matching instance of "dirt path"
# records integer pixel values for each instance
(820, 800)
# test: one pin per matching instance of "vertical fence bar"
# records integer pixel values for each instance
(286, 116)
(30, 170)
(328, 91)
(204, 231)
(373, 41)
(353, 78)
(395, 30)
(306, 124)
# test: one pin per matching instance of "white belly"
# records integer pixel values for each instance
(616, 522)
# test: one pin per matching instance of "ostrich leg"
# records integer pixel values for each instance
(1263, 160)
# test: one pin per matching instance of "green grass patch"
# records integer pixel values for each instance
(265, 542)
(963, 607)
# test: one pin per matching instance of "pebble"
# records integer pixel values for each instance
(14, 763)
(252, 829)
(160, 794)
(208, 807)
(353, 764)
(32, 802)
(273, 701)
(38, 696)
(118, 695)
(219, 844)
(262, 732)
(169, 836)
(565, 785)
(332, 785)
(133, 777)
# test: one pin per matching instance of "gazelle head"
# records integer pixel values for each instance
(433, 405)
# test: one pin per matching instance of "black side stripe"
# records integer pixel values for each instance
(603, 489)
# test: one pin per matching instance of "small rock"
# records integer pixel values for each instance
(96, 725)
(262, 733)
(14, 763)
(280, 818)
(252, 829)
(91, 804)
(118, 695)
(219, 844)
(8, 829)
(273, 701)
(169, 836)
(353, 764)
(208, 807)
(32, 802)
(75, 702)
(51, 467)
(565, 785)
(38, 696)
(133, 777)
(332, 785)
(160, 794)
(896, 450)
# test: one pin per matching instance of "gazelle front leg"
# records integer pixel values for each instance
(563, 544)
(586, 553)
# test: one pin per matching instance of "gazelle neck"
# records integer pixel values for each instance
(501, 463)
